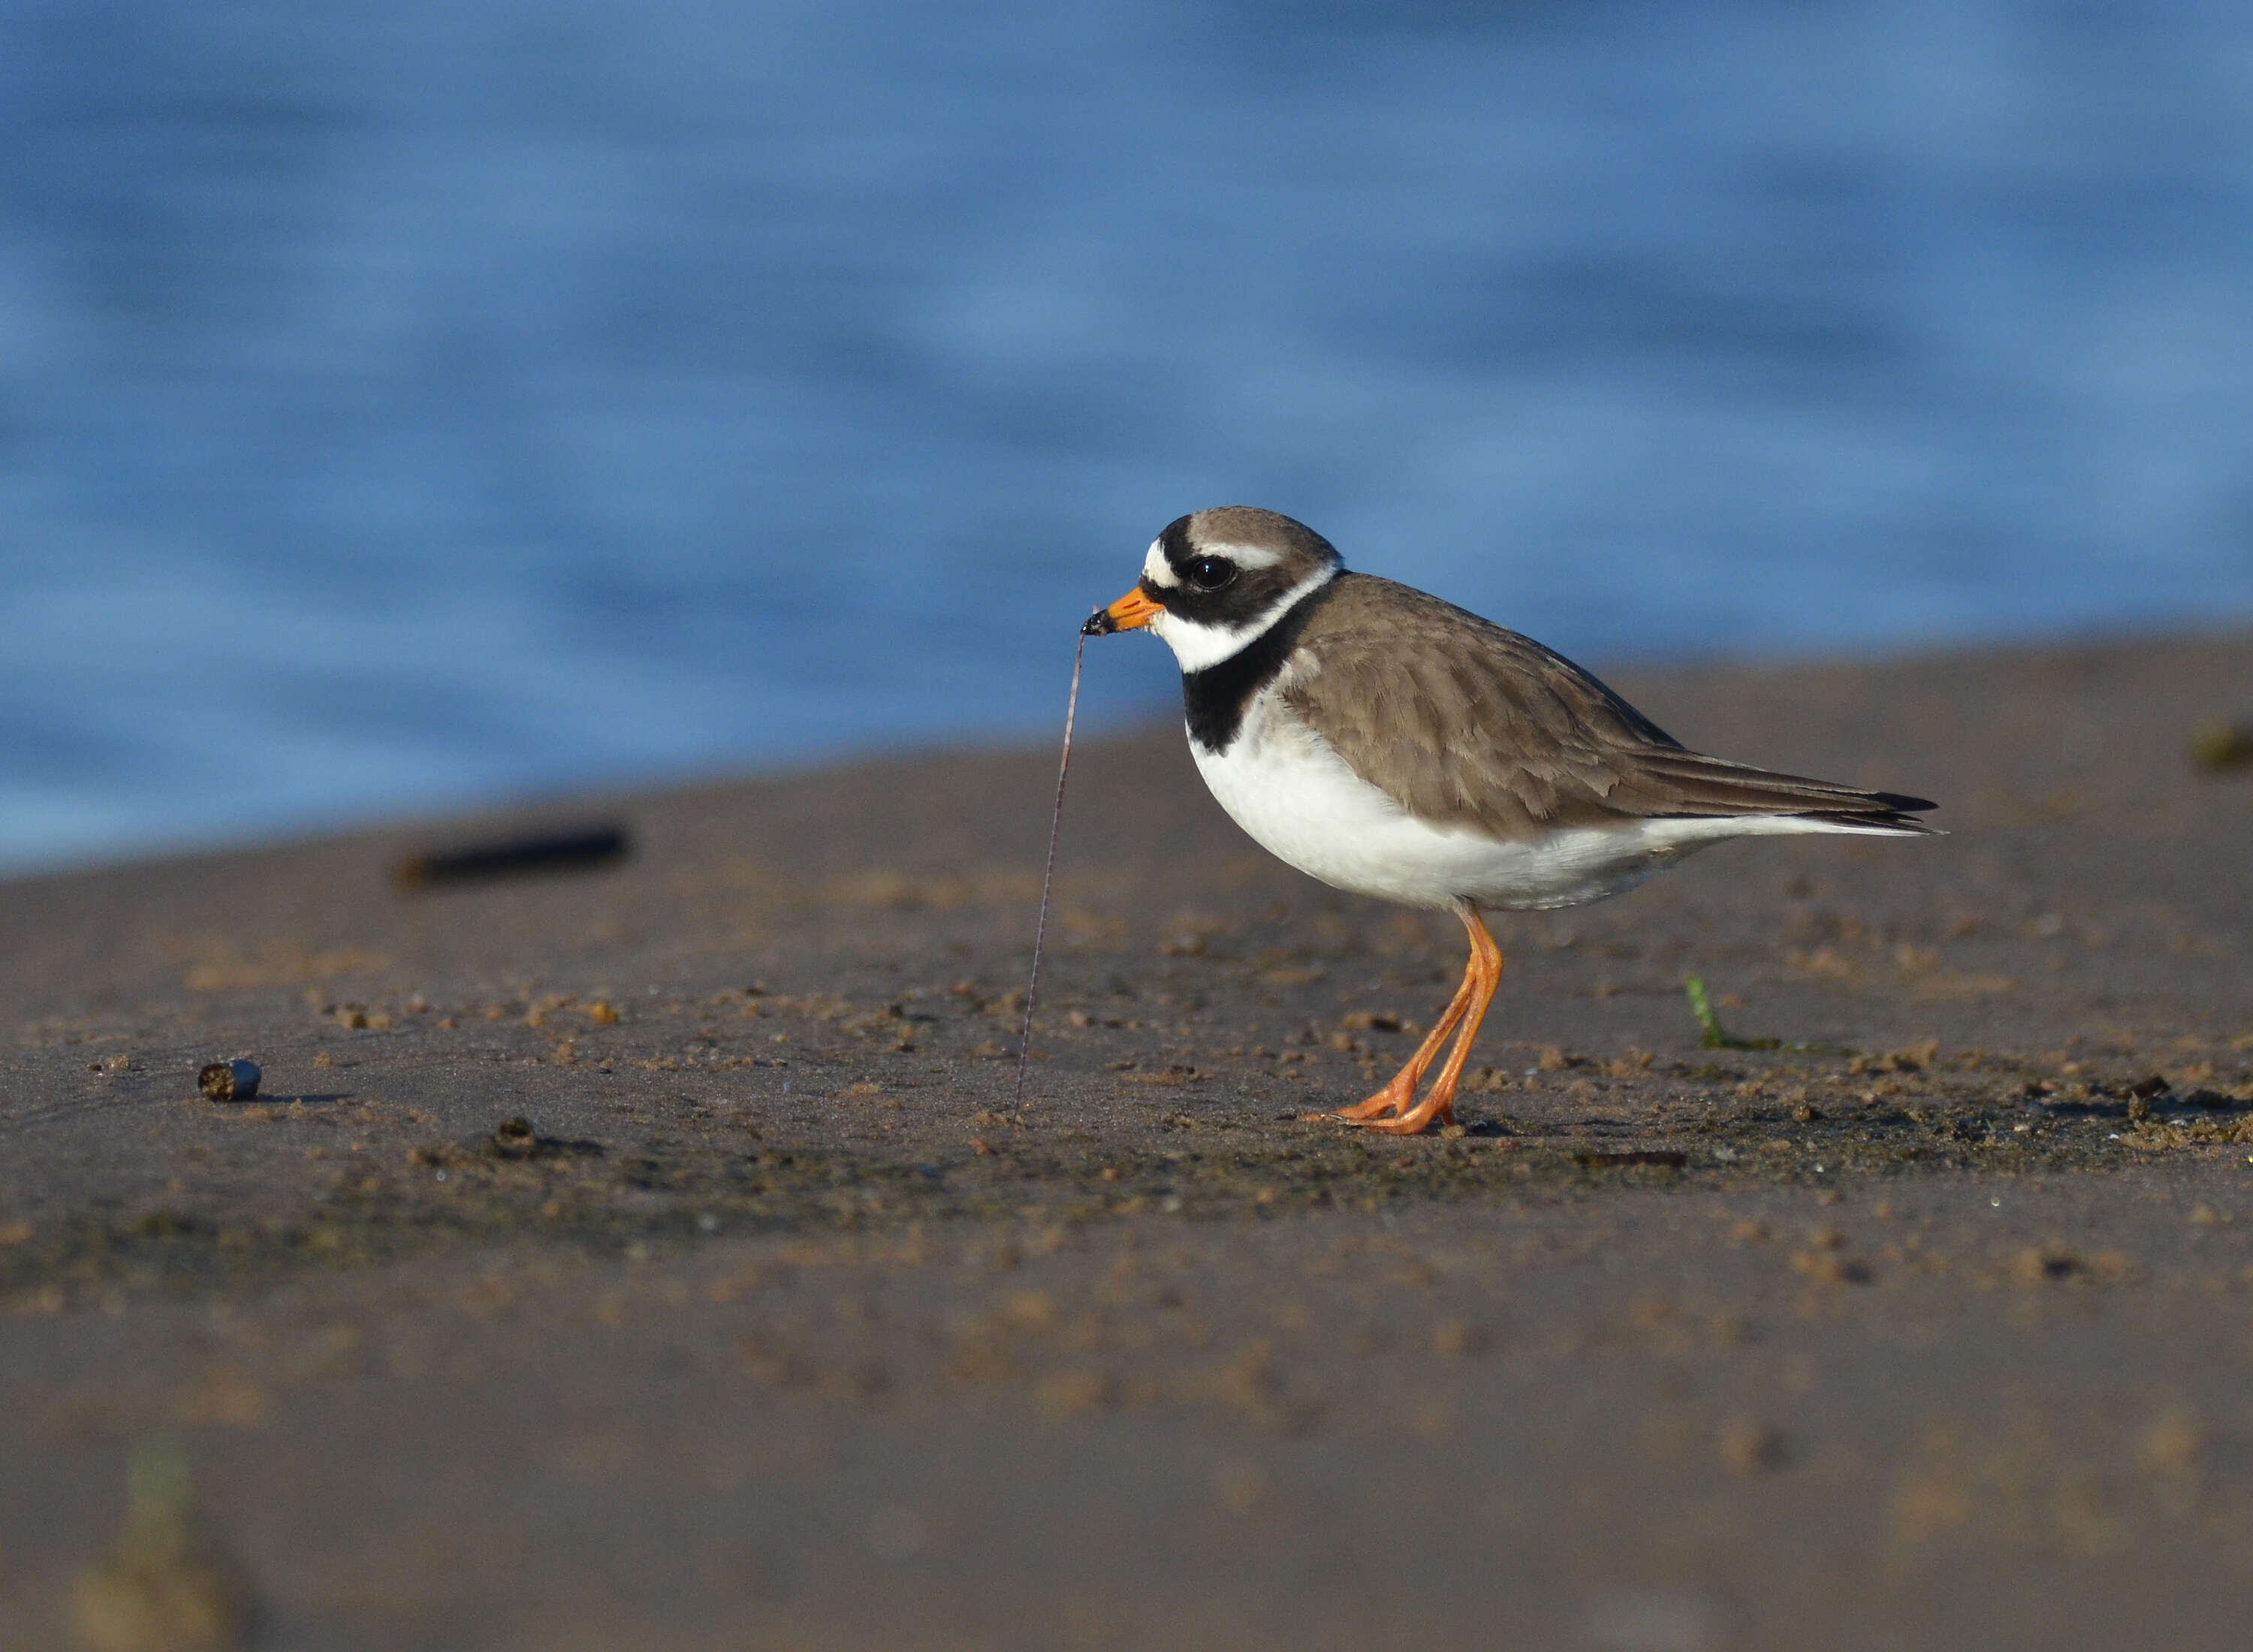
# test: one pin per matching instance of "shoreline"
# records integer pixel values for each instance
(595, 794)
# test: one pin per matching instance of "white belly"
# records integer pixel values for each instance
(1288, 787)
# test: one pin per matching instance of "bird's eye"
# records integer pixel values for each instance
(1210, 573)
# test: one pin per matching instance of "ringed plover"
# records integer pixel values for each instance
(1393, 745)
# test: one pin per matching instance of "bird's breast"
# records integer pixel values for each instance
(1304, 803)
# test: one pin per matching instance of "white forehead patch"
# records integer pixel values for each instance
(1156, 569)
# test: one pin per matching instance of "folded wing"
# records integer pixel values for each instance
(1461, 721)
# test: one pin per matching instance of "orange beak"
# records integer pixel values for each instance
(1130, 612)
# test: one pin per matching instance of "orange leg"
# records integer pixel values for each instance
(1398, 1096)
(1484, 979)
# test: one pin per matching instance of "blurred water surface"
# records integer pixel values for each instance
(411, 405)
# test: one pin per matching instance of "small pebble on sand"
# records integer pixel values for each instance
(229, 1080)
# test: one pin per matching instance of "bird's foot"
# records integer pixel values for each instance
(1438, 1108)
(1396, 1097)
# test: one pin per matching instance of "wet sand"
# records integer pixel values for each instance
(777, 1320)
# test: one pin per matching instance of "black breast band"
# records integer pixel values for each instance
(1214, 700)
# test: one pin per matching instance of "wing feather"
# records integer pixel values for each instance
(1460, 721)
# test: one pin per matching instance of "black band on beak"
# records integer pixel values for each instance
(1100, 624)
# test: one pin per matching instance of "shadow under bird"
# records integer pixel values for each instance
(1393, 745)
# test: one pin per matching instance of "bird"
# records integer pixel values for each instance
(1393, 745)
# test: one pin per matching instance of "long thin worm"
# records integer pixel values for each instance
(1048, 875)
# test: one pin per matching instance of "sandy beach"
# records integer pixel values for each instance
(659, 1256)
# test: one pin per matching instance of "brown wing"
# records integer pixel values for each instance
(1460, 721)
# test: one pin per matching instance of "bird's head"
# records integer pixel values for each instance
(1215, 580)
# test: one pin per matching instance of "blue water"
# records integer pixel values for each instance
(408, 407)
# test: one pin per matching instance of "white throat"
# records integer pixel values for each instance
(1197, 647)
